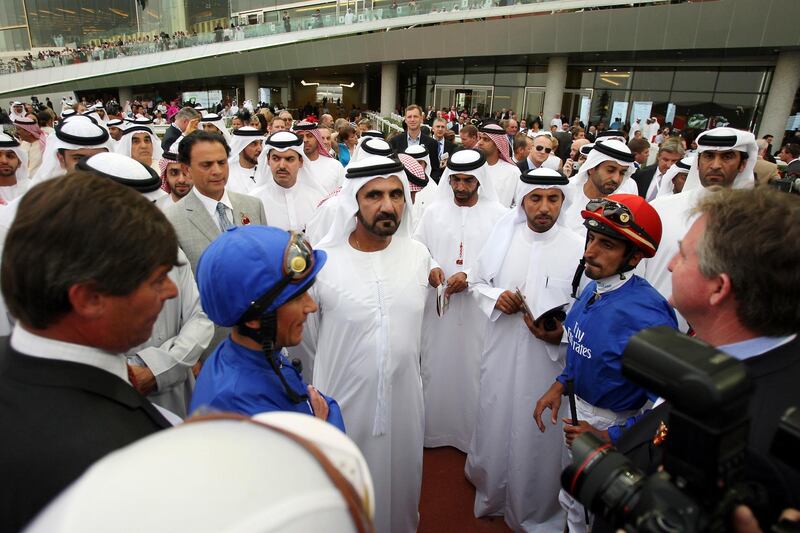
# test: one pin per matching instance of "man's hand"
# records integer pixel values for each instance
(550, 337)
(573, 432)
(191, 127)
(550, 400)
(567, 168)
(508, 303)
(144, 379)
(318, 404)
(436, 277)
(456, 283)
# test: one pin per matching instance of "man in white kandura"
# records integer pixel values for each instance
(367, 332)
(607, 169)
(246, 145)
(726, 157)
(454, 229)
(289, 196)
(515, 468)
(326, 171)
(501, 169)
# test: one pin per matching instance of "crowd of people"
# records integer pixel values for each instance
(444, 285)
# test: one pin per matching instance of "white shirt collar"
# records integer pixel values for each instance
(33, 345)
(612, 283)
(211, 205)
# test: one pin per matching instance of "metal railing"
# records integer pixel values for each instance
(295, 21)
(384, 125)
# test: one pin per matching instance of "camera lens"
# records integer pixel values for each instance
(601, 478)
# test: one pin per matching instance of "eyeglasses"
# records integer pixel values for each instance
(298, 258)
(617, 213)
(540, 148)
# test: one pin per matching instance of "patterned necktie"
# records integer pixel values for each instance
(224, 223)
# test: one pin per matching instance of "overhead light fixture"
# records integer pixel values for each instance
(118, 12)
(306, 84)
(348, 85)
(610, 82)
(65, 11)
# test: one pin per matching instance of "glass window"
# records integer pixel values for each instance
(479, 75)
(732, 81)
(537, 77)
(603, 106)
(657, 80)
(14, 40)
(12, 14)
(613, 78)
(512, 76)
(580, 78)
(734, 109)
(508, 98)
(692, 110)
(449, 74)
(695, 80)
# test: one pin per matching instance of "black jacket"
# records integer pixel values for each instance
(170, 136)
(399, 143)
(643, 177)
(58, 418)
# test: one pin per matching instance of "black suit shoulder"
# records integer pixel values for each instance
(643, 177)
(522, 165)
(170, 136)
(58, 418)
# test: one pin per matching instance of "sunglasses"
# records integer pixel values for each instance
(617, 213)
(546, 150)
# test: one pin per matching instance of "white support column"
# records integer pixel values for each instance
(554, 91)
(785, 82)
(251, 88)
(388, 88)
(125, 95)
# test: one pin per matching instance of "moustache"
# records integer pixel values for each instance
(386, 216)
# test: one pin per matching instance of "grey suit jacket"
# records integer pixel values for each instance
(196, 229)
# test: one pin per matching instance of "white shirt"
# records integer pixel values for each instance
(211, 206)
(33, 345)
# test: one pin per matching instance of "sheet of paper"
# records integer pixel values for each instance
(442, 300)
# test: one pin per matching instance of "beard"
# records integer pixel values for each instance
(384, 225)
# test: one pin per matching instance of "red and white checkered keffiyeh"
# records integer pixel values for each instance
(162, 167)
(34, 129)
(417, 180)
(306, 125)
(498, 137)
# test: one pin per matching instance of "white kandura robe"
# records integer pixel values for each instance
(326, 172)
(10, 192)
(504, 178)
(422, 200)
(452, 344)
(367, 338)
(289, 209)
(515, 468)
(180, 335)
(240, 179)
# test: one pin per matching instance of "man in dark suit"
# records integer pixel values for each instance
(444, 147)
(747, 309)
(84, 273)
(790, 154)
(178, 126)
(414, 135)
(648, 178)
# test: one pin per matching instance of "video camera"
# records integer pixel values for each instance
(704, 451)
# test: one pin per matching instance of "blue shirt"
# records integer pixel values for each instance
(344, 154)
(598, 333)
(240, 380)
